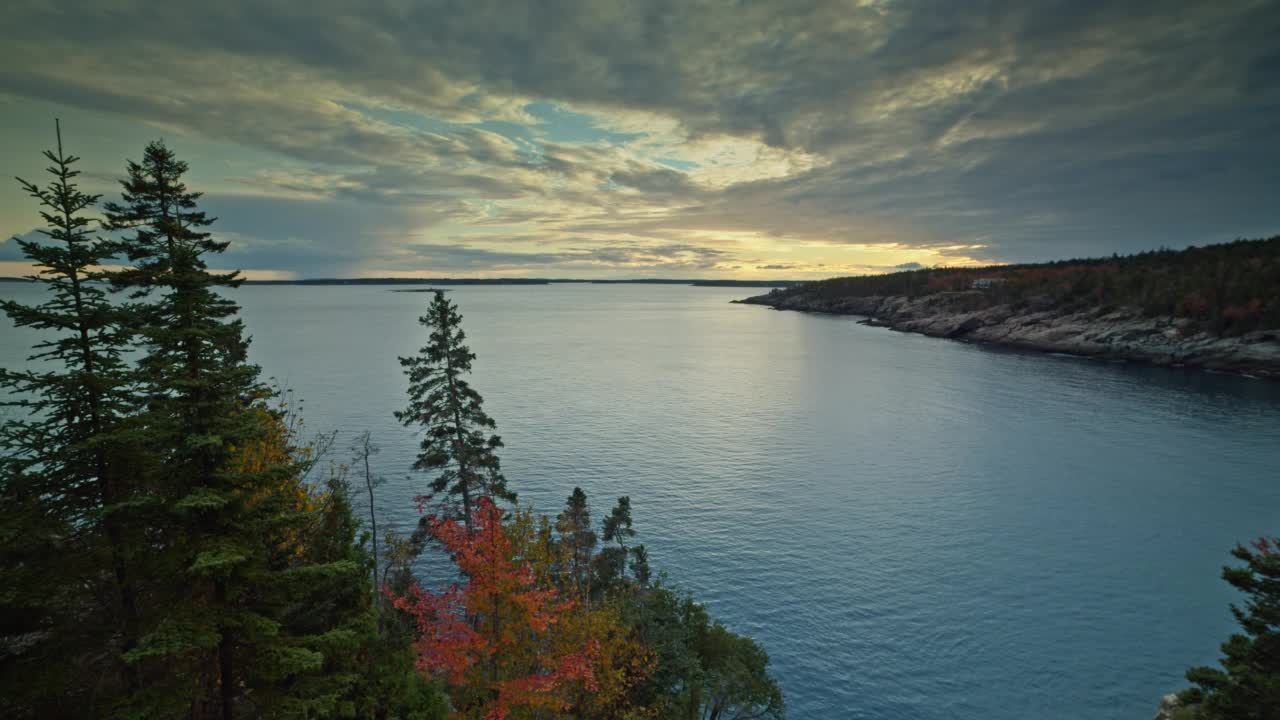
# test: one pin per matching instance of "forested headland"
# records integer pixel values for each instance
(1215, 307)
(1227, 289)
(175, 544)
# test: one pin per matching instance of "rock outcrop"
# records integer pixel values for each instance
(1171, 708)
(1116, 334)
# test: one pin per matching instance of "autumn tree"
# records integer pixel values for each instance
(565, 561)
(456, 438)
(1248, 684)
(66, 483)
(489, 635)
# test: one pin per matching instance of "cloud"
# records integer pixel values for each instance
(640, 258)
(688, 137)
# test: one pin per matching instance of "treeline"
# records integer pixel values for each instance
(172, 545)
(1226, 289)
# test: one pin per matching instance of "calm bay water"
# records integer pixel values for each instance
(914, 528)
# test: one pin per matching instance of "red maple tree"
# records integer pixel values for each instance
(490, 637)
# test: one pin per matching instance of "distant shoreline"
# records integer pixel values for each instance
(526, 281)
(506, 281)
(1211, 307)
(1103, 333)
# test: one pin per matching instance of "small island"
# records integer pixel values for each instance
(1210, 307)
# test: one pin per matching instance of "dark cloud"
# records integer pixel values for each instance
(653, 181)
(310, 236)
(1032, 129)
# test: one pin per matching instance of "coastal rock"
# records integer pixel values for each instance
(1169, 709)
(1114, 334)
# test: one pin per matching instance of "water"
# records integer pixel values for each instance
(913, 527)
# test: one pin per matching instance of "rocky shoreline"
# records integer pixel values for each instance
(1105, 333)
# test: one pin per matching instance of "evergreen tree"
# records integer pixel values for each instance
(611, 562)
(640, 565)
(1248, 685)
(617, 527)
(456, 439)
(198, 389)
(195, 365)
(702, 669)
(324, 606)
(737, 683)
(579, 540)
(225, 642)
(66, 473)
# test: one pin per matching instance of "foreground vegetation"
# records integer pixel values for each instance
(1247, 685)
(174, 546)
(1227, 289)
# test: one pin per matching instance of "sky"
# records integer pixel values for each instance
(662, 138)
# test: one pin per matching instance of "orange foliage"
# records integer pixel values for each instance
(495, 638)
(274, 449)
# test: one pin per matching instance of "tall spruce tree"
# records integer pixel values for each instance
(456, 440)
(66, 477)
(231, 479)
(198, 388)
(195, 362)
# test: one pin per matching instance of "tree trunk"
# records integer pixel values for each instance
(459, 452)
(373, 523)
(226, 666)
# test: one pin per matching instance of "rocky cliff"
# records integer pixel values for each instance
(1118, 334)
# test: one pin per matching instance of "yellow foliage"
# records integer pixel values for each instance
(275, 447)
(622, 661)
